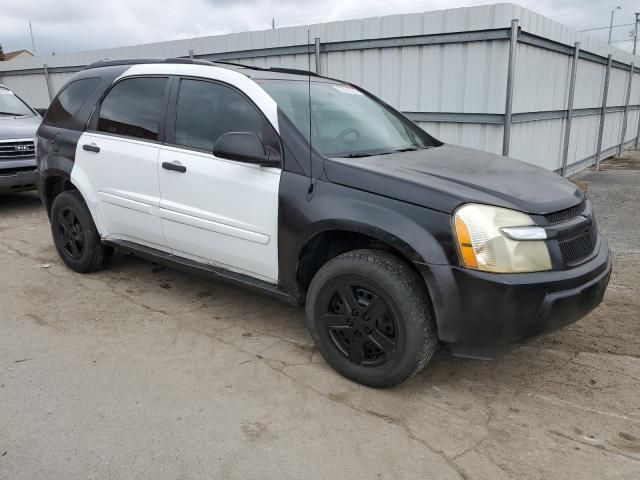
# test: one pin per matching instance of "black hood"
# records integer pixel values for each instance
(444, 177)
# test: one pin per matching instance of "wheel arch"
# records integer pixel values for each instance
(328, 239)
(58, 180)
(53, 184)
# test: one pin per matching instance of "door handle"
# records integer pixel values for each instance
(91, 147)
(174, 166)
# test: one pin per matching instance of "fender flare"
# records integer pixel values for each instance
(362, 228)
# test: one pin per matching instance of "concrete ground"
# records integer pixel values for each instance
(143, 372)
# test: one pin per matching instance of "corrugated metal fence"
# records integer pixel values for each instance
(531, 88)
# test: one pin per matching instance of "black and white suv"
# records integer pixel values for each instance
(317, 192)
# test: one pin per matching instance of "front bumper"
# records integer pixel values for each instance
(483, 315)
(17, 175)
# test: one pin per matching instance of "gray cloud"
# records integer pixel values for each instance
(75, 25)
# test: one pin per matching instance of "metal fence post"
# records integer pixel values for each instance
(623, 132)
(637, 132)
(572, 91)
(508, 108)
(603, 112)
(317, 51)
(48, 80)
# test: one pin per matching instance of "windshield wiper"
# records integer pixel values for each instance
(10, 113)
(389, 152)
(358, 155)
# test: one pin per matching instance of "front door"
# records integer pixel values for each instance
(117, 162)
(215, 210)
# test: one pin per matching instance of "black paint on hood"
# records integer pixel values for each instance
(442, 178)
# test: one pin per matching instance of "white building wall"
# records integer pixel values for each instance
(464, 81)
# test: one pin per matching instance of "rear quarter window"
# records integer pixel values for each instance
(69, 101)
(133, 108)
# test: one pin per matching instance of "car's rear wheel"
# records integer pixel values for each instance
(75, 235)
(370, 316)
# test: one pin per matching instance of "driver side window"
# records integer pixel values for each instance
(207, 110)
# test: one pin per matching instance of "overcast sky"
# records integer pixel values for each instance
(74, 25)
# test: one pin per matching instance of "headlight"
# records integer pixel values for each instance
(495, 239)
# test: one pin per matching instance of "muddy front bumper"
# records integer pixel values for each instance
(484, 315)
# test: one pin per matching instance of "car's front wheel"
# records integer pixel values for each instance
(370, 317)
(75, 235)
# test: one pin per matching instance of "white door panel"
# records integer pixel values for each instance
(220, 211)
(123, 179)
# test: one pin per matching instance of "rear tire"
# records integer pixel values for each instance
(371, 318)
(75, 235)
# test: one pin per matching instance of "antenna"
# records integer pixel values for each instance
(33, 44)
(311, 184)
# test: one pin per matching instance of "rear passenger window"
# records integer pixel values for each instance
(207, 110)
(69, 101)
(133, 108)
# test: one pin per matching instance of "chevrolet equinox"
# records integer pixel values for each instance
(315, 191)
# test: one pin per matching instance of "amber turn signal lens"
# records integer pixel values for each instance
(464, 243)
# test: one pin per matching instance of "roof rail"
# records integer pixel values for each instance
(136, 61)
(235, 64)
(193, 61)
(293, 71)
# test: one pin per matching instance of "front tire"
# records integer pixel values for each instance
(370, 317)
(75, 234)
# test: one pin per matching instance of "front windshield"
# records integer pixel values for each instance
(345, 122)
(12, 105)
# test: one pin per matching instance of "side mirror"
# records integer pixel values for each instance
(41, 111)
(243, 147)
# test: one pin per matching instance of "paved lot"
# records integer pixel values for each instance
(146, 373)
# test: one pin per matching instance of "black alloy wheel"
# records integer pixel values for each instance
(360, 322)
(72, 237)
(370, 316)
(75, 234)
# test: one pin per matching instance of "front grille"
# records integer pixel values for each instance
(579, 246)
(15, 171)
(567, 214)
(16, 149)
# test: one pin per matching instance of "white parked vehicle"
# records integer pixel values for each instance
(18, 125)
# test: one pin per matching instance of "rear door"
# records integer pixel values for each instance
(117, 160)
(215, 210)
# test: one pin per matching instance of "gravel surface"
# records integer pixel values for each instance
(143, 372)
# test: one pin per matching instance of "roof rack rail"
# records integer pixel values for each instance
(235, 64)
(195, 61)
(136, 61)
(293, 71)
